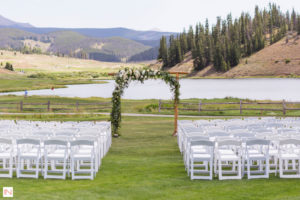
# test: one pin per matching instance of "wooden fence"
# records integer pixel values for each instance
(55, 106)
(240, 106)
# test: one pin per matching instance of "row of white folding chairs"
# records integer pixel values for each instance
(188, 126)
(65, 154)
(103, 141)
(251, 158)
(101, 130)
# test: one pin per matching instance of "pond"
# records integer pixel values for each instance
(259, 89)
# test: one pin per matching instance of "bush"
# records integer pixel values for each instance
(148, 108)
(276, 61)
(9, 66)
(287, 61)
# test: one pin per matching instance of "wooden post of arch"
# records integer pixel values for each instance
(175, 102)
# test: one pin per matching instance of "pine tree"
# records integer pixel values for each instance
(200, 59)
(183, 43)
(190, 38)
(179, 55)
(298, 24)
(163, 51)
(207, 46)
(293, 20)
(228, 40)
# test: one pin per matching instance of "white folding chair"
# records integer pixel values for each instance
(28, 150)
(196, 149)
(197, 160)
(85, 156)
(55, 151)
(228, 154)
(289, 151)
(257, 158)
(6, 155)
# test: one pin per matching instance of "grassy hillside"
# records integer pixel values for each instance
(33, 63)
(13, 38)
(72, 43)
(279, 59)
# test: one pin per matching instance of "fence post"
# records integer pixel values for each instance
(283, 107)
(48, 106)
(77, 104)
(21, 105)
(199, 108)
(241, 108)
(159, 105)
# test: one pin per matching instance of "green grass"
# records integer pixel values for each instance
(149, 106)
(10, 83)
(145, 163)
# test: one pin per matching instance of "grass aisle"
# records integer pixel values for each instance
(145, 163)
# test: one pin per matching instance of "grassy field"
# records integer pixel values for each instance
(13, 82)
(141, 106)
(33, 63)
(154, 171)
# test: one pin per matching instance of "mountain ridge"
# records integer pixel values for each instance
(117, 44)
(5, 22)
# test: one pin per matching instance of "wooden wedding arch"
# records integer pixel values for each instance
(123, 78)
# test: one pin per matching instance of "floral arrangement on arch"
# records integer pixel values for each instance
(124, 77)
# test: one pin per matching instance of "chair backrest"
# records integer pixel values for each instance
(28, 141)
(56, 142)
(202, 143)
(289, 141)
(229, 143)
(82, 142)
(217, 134)
(5, 141)
(244, 135)
(197, 138)
(257, 142)
(65, 132)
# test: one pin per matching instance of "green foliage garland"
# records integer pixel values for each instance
(124, 77)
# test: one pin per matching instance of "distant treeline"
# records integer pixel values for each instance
(228, 40)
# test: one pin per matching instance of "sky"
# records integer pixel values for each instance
(165, 15)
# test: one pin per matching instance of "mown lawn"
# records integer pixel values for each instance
(145, 163)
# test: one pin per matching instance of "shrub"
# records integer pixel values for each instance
(276, 61)
(9, 66)
(287, 61)
(37, 75)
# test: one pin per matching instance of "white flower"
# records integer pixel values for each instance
(125, 76)
(143, 72)
(137, 74)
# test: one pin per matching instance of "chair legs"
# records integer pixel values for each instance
(7, 167)
(284, 168)
(75, 170)
(236, 168)
(29, 169)
(208, 169)
(260, 166)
